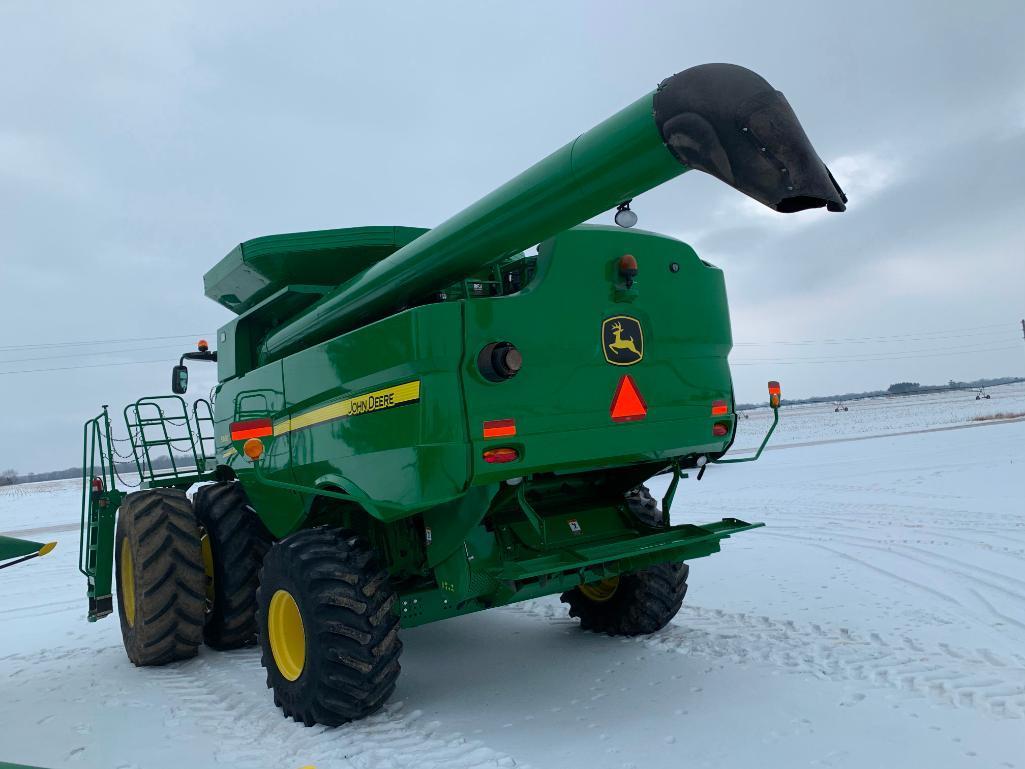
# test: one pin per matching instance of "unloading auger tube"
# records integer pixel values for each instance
(722, 119)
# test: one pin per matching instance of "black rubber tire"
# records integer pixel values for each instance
(644, 602)
(644, 508)
(352, 636)
(167, 574)
(238, 543)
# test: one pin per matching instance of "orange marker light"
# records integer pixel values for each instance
(774, 394)
(253, 448)
(627, 404)
(500, 428)
(720, 408)
(203, 346)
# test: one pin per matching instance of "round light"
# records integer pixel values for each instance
(253, 448)
(203, 345)
(626, 218)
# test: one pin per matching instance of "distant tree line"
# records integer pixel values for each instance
(897, 388)
(11, 477)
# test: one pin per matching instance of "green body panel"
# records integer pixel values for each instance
(562, 396)
(257, 268)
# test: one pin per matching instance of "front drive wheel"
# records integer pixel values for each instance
(329, 639)
(637, 603)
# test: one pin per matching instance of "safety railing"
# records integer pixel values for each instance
(164, 444)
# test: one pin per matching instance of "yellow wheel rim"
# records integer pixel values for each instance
(600, 591)
(208, 567)
(287, 636)
(127, 582)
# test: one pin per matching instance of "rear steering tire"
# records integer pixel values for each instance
(234, 545)
(160, 577)
(644, 508)
(637, 603)
(329, 639)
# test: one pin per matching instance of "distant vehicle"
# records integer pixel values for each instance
(839, 406)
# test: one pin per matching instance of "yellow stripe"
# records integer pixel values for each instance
(378, 400)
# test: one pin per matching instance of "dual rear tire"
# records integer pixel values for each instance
(319, 600)
(186, 571)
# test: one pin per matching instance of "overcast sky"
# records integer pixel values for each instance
(139, 142)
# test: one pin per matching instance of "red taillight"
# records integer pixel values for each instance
(251, 428)
(501, 456)
(97, 484)
(720, 408)
(500, 428)
(719, 429)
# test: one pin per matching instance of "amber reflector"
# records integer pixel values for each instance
(253, 448)
(719, 408)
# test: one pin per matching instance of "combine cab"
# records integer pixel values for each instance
(415, 424)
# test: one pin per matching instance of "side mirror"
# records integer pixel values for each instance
(179, 380)
(774, 395)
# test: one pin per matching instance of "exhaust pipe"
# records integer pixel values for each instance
(718, 118)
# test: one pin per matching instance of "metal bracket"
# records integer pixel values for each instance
(765, 440)
(532, 517)
(667, 500)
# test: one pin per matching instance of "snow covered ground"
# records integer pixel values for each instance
(877, 621)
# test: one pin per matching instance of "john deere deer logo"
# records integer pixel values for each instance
(622, 340)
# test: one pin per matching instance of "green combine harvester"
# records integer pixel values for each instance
(413, 424)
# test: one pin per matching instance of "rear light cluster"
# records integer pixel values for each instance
(501, 456)
(720, 409)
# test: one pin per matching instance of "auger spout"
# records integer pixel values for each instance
(722, 119)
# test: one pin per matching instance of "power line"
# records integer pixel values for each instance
(892, 355)
(84, 343)
(814, 361)
(75, 368)
(910, 336)
(91, 353)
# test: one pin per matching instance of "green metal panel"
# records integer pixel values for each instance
(561, 397)
(257, 268)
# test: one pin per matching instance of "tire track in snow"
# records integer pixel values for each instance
(223, 694)
(970, 678)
